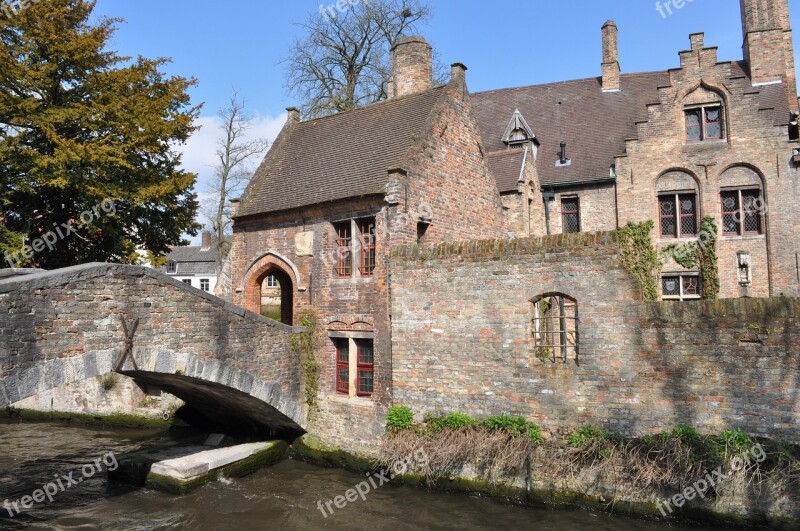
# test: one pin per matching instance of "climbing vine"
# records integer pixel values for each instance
(640, 258)
(701, 254)
(303, 344)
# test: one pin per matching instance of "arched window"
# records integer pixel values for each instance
(555, 327)
(704, 113)
(677, 205)
(742, 201)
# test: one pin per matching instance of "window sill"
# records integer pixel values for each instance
(744, 237)
(351, 400)
(706, 144)
(353, 280)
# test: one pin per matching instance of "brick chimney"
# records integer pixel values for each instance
(768, 47)
(611, 70)
(208, 240)
(412, 67)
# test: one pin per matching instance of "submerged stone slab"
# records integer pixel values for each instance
(183, 474)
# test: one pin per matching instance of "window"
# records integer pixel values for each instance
(555, 328)
(205, 285)
(344, 242)
(680, 286)
(366, 230)
(271, 281)
(366, 370)
(172, 267)
(678, 215)
(570, 215)
(342, 366)
(741, 212)
(704, 123)
(362, 365)
(187, 281)
(422, 232)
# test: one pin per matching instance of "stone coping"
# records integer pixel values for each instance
(61, 277)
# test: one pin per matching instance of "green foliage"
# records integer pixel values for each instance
(451, 421)
(639, 256)
(586, 436)
(702, 255)
(80, 125)
(686, 434)
(109, 381)
(399, 418)
(303, 344)
(516, 426)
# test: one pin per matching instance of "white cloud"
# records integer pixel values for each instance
(199, 152)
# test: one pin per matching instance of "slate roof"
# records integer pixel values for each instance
(506, 166)
(194, 261)
(593, 123)
(339, 157)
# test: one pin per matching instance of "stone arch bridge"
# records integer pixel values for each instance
(236, 368)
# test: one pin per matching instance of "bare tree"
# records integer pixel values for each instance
(343, 60)
(232, 171)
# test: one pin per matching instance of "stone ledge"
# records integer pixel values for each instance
(60, 277)
(507, 247)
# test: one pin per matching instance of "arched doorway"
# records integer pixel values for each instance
(276, 297)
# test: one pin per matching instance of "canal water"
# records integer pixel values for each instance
(283, 497)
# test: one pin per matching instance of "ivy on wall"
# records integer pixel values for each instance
(640, 257)
(702, 255)
(303, 344)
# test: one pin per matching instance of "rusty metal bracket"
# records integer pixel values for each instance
(128, 350)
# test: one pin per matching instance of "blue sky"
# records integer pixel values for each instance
(240, 43)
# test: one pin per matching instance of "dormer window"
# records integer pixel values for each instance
(704, 123)
(518, 133)
(172, 267)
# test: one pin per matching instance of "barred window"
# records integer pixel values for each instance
(571, 215)
(344, 242)
(366, 229)
(555, 328)
(704, 123)
(680, 286)
(742, 212)
(678, 215)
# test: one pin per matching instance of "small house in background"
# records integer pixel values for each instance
(196, 266)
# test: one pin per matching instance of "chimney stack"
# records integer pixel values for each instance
(611, 70)
(768, 47)
(294, 115)
(412, 67)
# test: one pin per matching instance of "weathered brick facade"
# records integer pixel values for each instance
(434, 165)
(462, 341)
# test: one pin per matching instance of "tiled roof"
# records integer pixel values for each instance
(506, 166)
(339, 157)
(194, 260)
(593, 123)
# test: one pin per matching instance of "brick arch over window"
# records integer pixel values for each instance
(286, 274)
(741, 175)
(554, 327)
(742, 201)
(704, 111)
(677, 203)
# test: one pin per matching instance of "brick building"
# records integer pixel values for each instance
(437, 164)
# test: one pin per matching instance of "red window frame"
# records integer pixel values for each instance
(741, 212)
(344, 249)
(570, 212)
(675, 199)
(702, 115)
(366, 365)
(707, 122)
(342, 351)
(366, 229)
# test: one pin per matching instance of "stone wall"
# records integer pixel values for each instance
(462, 341)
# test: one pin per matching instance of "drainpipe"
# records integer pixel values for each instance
(547, 197)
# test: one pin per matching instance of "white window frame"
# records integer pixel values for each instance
(207, 286)
(681, 296)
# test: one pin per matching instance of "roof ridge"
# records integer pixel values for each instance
(564, 82)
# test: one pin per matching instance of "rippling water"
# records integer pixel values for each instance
(282, 497)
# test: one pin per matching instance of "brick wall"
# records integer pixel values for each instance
(462, 341)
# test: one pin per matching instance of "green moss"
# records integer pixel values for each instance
(266, 457)
(116, 419)
(311, 450)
